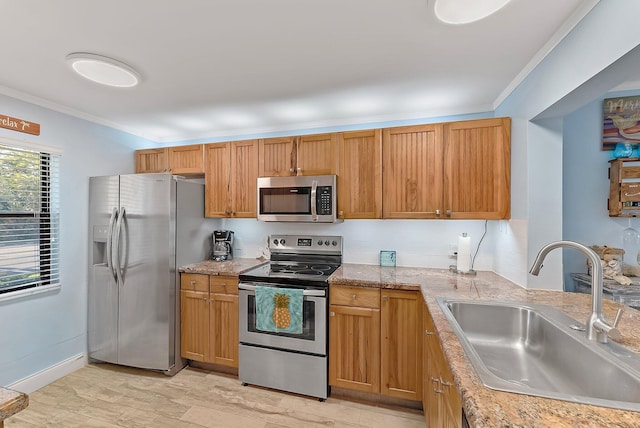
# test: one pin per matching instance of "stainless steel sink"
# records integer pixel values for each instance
(532, 349)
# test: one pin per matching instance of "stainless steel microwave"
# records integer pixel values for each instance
(310, 199)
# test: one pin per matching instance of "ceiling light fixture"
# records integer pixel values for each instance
(104, 70)
(466, 11)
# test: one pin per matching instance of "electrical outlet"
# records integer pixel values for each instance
(453, 251)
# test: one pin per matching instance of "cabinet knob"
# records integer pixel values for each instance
(437, 212)
(299, 170)
(437, 391)
(428, 333)
(444, 383)
(332, 314)
(385, 298)
(290, 169)
(353, 297)
(435, 379)
(192, 282)
(448, 213)
(204, 299)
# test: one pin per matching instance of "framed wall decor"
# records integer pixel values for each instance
(621, 121)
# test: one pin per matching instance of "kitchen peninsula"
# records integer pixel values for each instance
(482, 406)
(11, 402)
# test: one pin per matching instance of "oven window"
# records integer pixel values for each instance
(285, 200)
(308, 320)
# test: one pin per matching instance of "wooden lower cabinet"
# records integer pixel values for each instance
(376, 346)
(401, 353)
(441, 400)
(354, 348)
(209, 319)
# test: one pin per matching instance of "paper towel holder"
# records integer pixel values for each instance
(463, 250)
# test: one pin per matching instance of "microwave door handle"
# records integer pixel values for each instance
(314, 201)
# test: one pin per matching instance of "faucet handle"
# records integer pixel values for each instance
(616, 321)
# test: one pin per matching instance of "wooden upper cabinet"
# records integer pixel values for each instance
(217, 185)
(412, 171)
(306, 155)
(360, 174)
(277, 157)
(152, 160)
(477, 169)
(244, 177)
(183, 160)
(317, 154)
(187, 160)
(230, 179)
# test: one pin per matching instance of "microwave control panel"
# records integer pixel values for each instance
(323, 200)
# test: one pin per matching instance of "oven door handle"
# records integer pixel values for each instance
(318, 293)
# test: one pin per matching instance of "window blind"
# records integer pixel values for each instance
(29, 218)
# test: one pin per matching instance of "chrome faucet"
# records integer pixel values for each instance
(597, 328)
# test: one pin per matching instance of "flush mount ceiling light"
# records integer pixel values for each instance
(466, 11)
(104, 70)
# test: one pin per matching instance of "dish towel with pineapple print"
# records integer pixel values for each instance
(279, 309)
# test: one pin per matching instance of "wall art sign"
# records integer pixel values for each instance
(621, 117)
(19, 125)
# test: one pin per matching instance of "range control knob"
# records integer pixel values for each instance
(334, 243)
(320, 242)
(282, 242)
(326, 242)
(275, 242)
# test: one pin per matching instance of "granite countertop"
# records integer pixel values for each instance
(227, 268)
(11, 402)
(485, 407)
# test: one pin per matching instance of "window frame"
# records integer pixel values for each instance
(46, 241)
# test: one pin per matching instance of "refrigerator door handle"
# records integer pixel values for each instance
(110, 264)
(116, 263)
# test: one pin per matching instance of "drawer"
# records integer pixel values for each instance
(354, 296)
(194, 282)
(223, 284)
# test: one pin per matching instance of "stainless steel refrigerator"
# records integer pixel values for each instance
(142, 228)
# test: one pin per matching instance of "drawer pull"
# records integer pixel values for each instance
(192, 282)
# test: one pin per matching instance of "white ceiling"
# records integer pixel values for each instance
(241, 67)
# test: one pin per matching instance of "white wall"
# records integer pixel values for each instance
(586, 185)
(418, 243)
(574, 72)
(43, 330)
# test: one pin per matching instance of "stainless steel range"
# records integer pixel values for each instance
(294, 358)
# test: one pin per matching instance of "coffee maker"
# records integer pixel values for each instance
(222, 248)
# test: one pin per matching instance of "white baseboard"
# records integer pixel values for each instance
(44, 377)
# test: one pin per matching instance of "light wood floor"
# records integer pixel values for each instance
(104, 395)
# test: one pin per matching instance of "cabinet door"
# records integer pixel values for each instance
(477, 174)
(360, 174)
(317, 154)
(224, 329)
(401, 360)
(354, 348)
(412, 172)
(217, 167)
(187, 160)
(277, 157)
(194, 325)
(152, 160)
(244, 176)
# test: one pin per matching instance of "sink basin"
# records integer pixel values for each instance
(532, 349)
